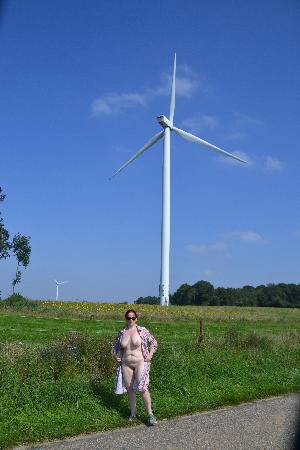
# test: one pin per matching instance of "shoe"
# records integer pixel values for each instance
(151, 420)
(132, 418)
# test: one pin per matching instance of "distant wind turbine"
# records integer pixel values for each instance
(58, 283)
(167, 125)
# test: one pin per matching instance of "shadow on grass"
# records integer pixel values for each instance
(119, 403)
(109, 399)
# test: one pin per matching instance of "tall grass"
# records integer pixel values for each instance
(65, 386)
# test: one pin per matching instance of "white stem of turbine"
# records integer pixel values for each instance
(165, 224)
(57, 292)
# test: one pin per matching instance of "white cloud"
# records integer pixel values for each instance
(186, 70)
(266, 163)
(113, 103)
(223, 246)
(240, 126)
(244, 119)
(272, 164)
(219, 245)
(199, 123)
(235, 136)
(203, 248)
(186, 86)
(188, 81)
(197, 248)
(248, 236)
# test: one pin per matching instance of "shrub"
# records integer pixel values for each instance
(253, 340)
(234, 338)
(17, 301)
(57, 359)
(79, 352)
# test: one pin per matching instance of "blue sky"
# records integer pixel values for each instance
(81, 86)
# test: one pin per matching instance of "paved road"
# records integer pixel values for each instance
(262, 425)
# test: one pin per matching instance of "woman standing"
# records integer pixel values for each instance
(133, 349)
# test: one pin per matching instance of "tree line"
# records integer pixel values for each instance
(204, 293)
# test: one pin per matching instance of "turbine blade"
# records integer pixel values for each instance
(148, 144)
(172, 102)
(196, 140)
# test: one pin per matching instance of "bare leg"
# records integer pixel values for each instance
(132, 401)
(145, 395)
(147, 401)
(128, 378)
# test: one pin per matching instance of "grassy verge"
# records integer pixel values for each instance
(57, 376)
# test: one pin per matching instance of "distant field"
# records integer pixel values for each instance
(46, 392)
(93, 310)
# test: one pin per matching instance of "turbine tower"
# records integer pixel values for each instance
(58, 283)
(167, 125)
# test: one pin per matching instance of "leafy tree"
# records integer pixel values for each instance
(147, 300)
(220, 296)
(203, 292)
(247, 296)
(16, 280)
(19, 246)
(5, 245)
(181, 296)
(22, 250)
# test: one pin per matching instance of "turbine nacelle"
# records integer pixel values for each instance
(164, 121)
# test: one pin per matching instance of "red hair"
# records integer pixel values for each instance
(129, 311)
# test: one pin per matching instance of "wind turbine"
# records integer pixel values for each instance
(58, 283)
(167, 125)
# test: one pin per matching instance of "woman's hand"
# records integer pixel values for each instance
(148, 359)
(116, 357)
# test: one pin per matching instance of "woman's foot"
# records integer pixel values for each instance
(132, 418)
(151, 420)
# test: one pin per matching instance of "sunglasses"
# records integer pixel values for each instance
(130, 318)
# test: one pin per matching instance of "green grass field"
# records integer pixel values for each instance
(46, 392)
